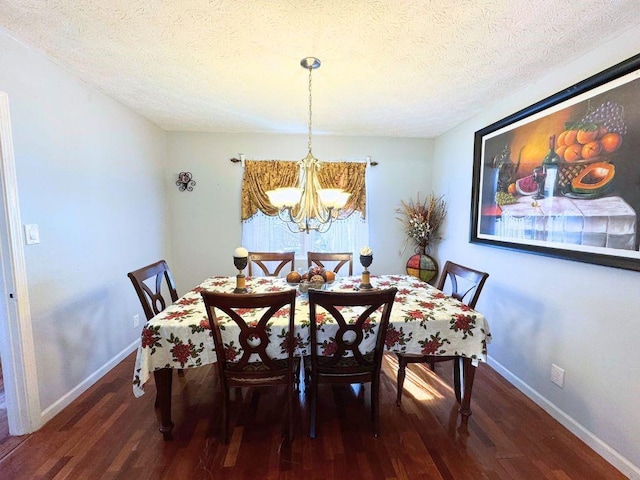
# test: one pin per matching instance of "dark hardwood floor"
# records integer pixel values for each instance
(107, 433)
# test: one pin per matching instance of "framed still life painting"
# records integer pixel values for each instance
(562, 177)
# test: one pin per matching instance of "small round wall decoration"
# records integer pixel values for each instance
(185, 181)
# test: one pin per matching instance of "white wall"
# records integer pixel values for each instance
(90, 174)
(206, 225)
(584, 318)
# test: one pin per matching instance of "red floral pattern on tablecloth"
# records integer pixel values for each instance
(423, 321)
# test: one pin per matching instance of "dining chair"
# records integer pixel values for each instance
(353, 353)
(240, 326)
(259, 258)
(149, 283)
(316, 258)
(465, 285)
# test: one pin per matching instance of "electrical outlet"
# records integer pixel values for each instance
(557, 375)
(136, 320)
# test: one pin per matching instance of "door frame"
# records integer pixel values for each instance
(17, 349)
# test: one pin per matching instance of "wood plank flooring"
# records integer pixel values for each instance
(109, 434)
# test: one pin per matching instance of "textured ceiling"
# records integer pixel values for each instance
(389, 67)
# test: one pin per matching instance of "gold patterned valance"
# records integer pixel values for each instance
(263, 175)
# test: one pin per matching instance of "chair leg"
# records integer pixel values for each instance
(402, 365)
(297, 375)
(375, 405)
(290, 389)
(225, 414)
(313, 407)
(456, 378)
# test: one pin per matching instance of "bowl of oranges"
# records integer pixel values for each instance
(316, 277)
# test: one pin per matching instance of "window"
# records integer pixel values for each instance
(262, 233)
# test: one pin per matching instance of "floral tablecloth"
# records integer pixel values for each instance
(423, 321)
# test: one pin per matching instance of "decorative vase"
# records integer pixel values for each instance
(422, 265)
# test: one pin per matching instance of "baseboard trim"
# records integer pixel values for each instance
(595, 443)
(65, 401)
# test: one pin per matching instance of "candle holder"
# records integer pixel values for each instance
(241, 264)
(365, 261)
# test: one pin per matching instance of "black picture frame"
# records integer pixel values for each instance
(590, 213)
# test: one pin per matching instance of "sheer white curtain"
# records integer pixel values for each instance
(262, 233)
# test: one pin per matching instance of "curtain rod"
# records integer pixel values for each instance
(368, 160)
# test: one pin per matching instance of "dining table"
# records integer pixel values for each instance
(424, 321)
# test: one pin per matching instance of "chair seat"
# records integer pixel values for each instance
(418, 357)
(325, 366)
(259, 369)
(347, 362)
(259, 366)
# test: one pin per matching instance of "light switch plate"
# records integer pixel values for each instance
(557, 375)
(31, 233)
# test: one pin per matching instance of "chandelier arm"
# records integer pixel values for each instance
(324, 227)
(282, 217)
(293, 230)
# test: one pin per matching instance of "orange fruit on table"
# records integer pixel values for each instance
(573, 152)
(586, 136)
(293, 277)
(591, 149)
(611, 142)
(330, 276)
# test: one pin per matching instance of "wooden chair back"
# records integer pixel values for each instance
(259, 258)
(151, 297)
(240, 327)
(465, 283)
(316, 258)
(361, 318)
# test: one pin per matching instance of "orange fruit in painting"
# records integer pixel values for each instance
(560, 150)
(586, 136)
(611, 142)
(591, 150)
(573, 152)
(330, 276)
(560, 139)
(570, 137)
(512, 189)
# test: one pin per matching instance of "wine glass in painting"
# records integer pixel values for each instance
(539, 175)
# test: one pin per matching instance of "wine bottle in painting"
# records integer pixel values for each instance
(551, 163)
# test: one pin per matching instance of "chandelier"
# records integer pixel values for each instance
(307, 206)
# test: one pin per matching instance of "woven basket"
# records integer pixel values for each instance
(568, 171)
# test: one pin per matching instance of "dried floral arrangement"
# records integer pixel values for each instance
(422, 219)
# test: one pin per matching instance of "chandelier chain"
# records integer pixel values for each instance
(309, 138)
